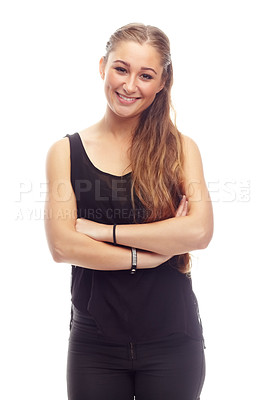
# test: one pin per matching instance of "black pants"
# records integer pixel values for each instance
(171, 368)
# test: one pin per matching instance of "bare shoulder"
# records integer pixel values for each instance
(191, 152)
(60, 147)
(189, 144)
(58, 158)
(194, 180)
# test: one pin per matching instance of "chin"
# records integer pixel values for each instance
(124, 112)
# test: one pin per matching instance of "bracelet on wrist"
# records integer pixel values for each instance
(134, 260)
(114, 236)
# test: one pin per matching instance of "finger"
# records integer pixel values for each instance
(79, 224)
(181, 206)
(185, 209)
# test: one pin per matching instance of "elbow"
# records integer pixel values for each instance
(60, 243)
(204, 237)
(58, 253)
(57, 256)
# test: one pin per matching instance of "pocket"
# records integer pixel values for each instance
(83, 325)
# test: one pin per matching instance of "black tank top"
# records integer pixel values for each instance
(150, 304)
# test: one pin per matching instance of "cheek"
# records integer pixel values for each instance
(111, 81)
(150, 92)
(108, 86)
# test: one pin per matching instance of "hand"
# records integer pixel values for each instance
(94, 230)
(182, 208)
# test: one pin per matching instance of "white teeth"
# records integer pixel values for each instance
(126, 98)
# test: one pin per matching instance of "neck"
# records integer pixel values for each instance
(119, 127)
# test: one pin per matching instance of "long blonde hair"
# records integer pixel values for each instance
(156, 152)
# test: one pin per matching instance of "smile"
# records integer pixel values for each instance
(127, 99)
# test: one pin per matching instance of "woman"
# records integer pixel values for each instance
(127, 202)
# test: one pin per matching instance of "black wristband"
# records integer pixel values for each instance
(114, 238)
(134, 260)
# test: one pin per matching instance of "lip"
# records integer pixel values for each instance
(123, 100)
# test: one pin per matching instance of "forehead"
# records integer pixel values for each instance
(139, 55)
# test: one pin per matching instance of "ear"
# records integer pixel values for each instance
(102, 67)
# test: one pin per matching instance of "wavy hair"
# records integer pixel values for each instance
(156, 152)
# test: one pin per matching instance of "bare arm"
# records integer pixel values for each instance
(177, 235)
(65, 243)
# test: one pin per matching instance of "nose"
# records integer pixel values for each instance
(130, 85)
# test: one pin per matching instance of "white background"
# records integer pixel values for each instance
(50, 86)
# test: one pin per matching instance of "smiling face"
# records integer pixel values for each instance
(132, 76)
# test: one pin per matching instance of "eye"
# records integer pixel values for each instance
(121, 70)
(147, 77)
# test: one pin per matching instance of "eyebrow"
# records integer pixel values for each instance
(128, 65)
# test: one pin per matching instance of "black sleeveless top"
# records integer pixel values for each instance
(150, 304)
